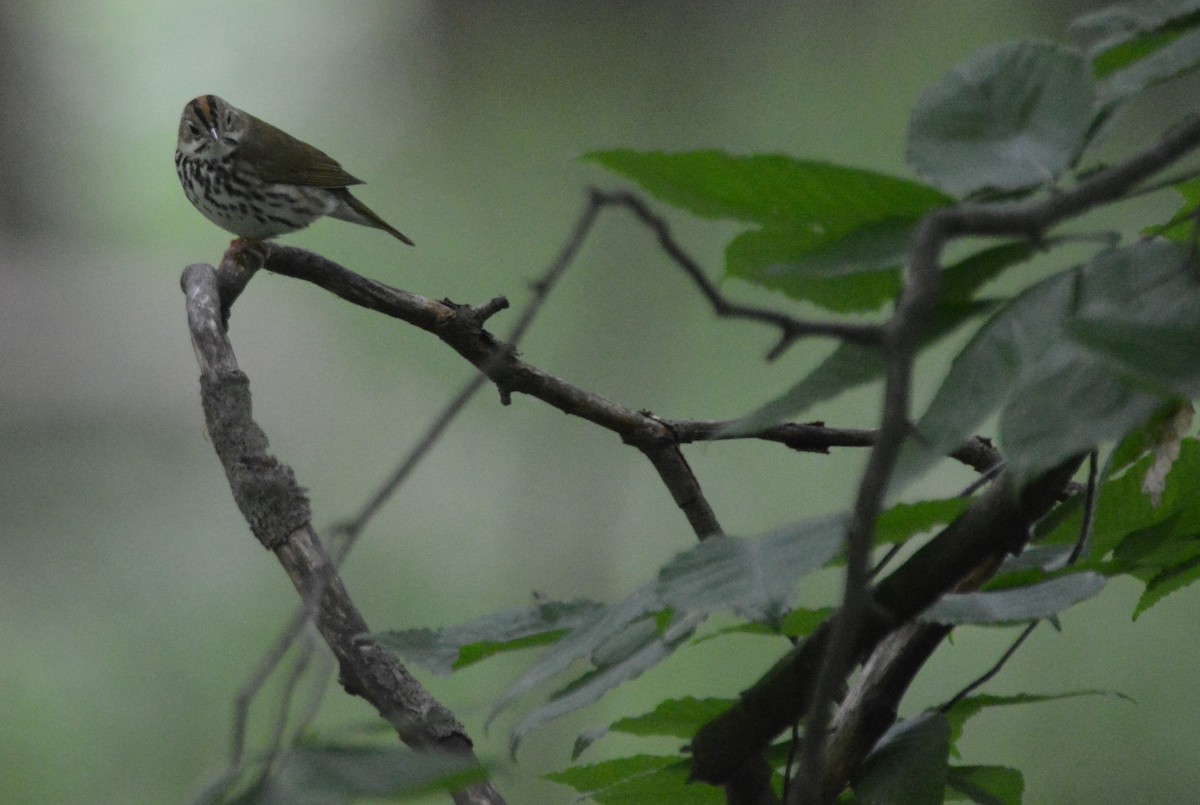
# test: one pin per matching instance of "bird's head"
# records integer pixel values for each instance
(210, 127)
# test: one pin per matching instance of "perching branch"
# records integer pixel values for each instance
(279, 515)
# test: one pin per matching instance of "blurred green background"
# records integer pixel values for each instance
(134, 601)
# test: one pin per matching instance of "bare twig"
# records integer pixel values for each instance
(990, 674)
(790, 328)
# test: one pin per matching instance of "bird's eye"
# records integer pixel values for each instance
(228, 120)
(195, 131)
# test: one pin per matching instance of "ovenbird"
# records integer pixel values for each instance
(253, 180)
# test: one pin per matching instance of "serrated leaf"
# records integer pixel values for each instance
(594, 684)
(847, 367)
(797, 623)
(1032, 602)
(1171, 56)
(1124, 514)
(908, 765)
(771, 189)
(1012, 116)
(904, 520)
(678, 718)
(596, 776)
(1130, 31)
(1168, 581)
(966, 709)
(754, 577)
(445, 650)
(962, 280)
(598, 627)
(850, 274)
(1056, 395)
(987, 785)
(585, 739)
(829, 234)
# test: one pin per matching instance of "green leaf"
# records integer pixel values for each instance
(852, 365)
(597, 776)
(987, 785)
(847, 367)
(1170, 580)
(829, 234)
(855, 273)
(1172, 56)
(600, 626)
(958, 715)
(962, 280)
(1012, 116)
(678, 718)
(772, 190)
(636, 658)
(639, 780)
(904, 520)
(318, 774)
(445, 650)
(908, 765)
(1131, 31)
(1056, 395)
(797, 623)
(1130, 526)
(1032, 602)
(754, 577)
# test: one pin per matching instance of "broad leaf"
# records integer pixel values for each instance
(904, 520)
(851, 274)
(1012, 116)
(678, 718)
(1173, 56)
(1031, 602)
(1172, 579)
(968, 708)
(1056, 394)
(797, 623)
(847, 367)
(600, 626)
(1131, 31)
(908, 765)
(1128, 522)
(986, 785)
(754, 577)
(772, 190)
(616, 669)
(446, 650)
(829, 234)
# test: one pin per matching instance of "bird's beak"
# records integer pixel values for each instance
(213, 131)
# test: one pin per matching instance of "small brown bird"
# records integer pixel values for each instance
(253, 180)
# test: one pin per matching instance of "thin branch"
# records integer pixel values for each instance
(1090, 497)
(990, 674)
(790, 328)
(541, 288)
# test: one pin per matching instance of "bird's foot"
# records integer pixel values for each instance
(248, 252)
